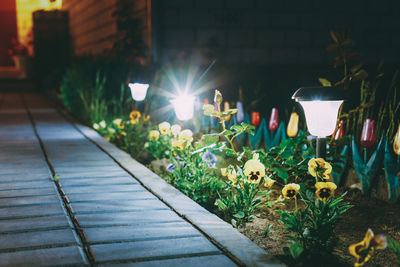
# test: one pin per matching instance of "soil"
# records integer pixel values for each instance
(380, 216)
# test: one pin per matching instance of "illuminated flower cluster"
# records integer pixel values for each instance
(231, 174)
(364, 250)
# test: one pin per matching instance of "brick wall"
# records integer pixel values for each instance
(93, 29)
(271, 32)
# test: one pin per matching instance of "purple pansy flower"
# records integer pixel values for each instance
(210, 158)
(171, 168)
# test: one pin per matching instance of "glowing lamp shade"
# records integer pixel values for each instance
(321, 116)
(184, 107)
(321, 107)
(138, 91)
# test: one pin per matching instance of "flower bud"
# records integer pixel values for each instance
(218, 97)
(273, 121)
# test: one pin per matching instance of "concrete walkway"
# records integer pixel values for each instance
(96, 213)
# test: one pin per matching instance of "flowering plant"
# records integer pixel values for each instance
(313, 226)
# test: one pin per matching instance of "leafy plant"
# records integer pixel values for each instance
(313, 226)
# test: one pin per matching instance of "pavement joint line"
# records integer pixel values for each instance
(24, 196)
(29, 205)
(98, 185)
(24, 188)
(25, 181)
(111, 200)
(131, 224)
(133, 240)
(8, 250)
(40, 229)
(30, 216)
(169, 257)
(88, 253)
(117, 211)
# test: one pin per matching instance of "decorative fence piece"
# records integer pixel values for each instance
(367, 170)
(392, 172)
(340, 167)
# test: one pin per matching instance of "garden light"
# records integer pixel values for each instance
(184, 106)
(321, 107)
(138, 90)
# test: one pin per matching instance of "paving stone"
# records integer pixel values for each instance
(29, 224)
(28, 192)
(10, 242)
(23, 178)
(71, 255)
(95, 175)
(109, 196)
(118, 205)
(88, 169)
(129, 217)
(96, 181)
(26, 185)
(34, 210)
(103, 188)
(7, 202)
(153, 249)
(141, 232)
(209, 261)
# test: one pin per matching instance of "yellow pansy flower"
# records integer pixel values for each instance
(154, 135)
(319, 168)
(269, 182)
(325, 190)
(134, 116)
(208, 109)
(165, 128)
(370, 243)
(186, 135)
(178, 143)
(119, 123)
(146, 118)
(289, 191)
(254, 170)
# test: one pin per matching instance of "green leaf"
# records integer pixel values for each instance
(361, 75)
(295, 250)
(220, 204)
(332, 47)
(237, 128)
(56, 177)
(239, 215)
(324, 82)
(226, 133)
(209, 139)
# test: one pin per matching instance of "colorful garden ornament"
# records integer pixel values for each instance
(392, 172)
(255, 118)
(367, 170)
(368, 133)
(273, 120)
(396, 142)
(293, 125)
(240, 112)
(340, 167)
(255, 140)
(227, 107)
(340, 131)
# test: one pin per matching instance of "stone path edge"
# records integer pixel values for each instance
(237, 246)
